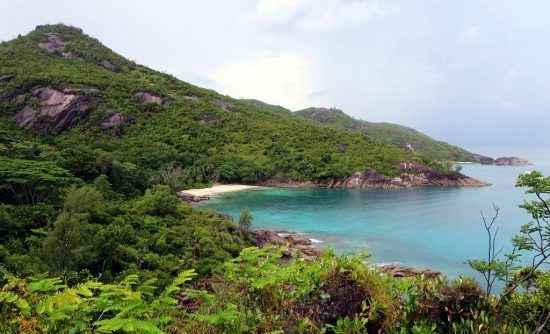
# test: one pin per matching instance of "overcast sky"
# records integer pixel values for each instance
(469, 72)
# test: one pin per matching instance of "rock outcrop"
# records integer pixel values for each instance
(223, 104)
(414, 174)
(341, 147)
(191, 97)
(295, 244)
(114, 120)
(7, 77)
(190, 198)
(107, 64)
(56, 46)
(58, 112)
(145, 97)
(502, 161)
(512, 161)
(207, 119)
(398, 271)
(298, 245)
(116, 123)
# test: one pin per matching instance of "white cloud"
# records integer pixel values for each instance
(284, 79)
(512, 75)
(278, 7)
(320, 16)
(504, 103)
(469, 35)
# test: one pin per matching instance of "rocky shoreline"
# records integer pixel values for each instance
(298, 245)
(502, 161)
(295, 243)
(413, 174)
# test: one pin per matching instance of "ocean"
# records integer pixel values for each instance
(426, 227)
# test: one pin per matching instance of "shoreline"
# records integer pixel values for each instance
(200, 194)
(204, 194)
(219, 189)
(299, 244)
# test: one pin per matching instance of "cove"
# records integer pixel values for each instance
(426, 227)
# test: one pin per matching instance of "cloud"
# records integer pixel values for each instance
(504, 103)
(320, 16)
(284, 79)
(469, 35)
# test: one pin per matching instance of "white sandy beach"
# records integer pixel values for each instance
(218, 189)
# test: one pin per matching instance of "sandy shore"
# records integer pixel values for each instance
(218, 189)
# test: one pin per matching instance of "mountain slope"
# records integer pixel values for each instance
(392, 134)
(82, 99)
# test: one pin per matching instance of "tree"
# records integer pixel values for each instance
(245, 221)
(535, 235)
(30, 181)
(69, 243)
(533, 240)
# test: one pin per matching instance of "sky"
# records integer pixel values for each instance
(473, 73)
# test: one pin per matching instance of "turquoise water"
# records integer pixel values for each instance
(428, 227)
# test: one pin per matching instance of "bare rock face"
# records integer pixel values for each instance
(58, 111)
(223, 104)
(113, 121)
(107, 64)
(414, 174)
(116, 123)
(25, 117)
(341, 147)
(512, 161)
(297, 239)
(295, 244)
(54, 102)
(145, 97)
(86, 90)
(18, 99)
(190, 198)
(321, 114)
(7, 77)
(208, 119)
(483, 159)
(56, 46)
(191, 97)
(398, 271)
(503, 161)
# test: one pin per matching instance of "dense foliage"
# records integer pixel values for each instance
(123, 267)
(254, 294)
(197, 137)
(392, 134)
(93, 239)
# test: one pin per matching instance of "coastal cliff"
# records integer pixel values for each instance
(413, 174)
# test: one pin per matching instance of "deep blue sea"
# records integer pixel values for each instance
(427, 227)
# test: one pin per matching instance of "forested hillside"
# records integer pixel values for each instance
(93, 239)
(392, 134)
(72, 93)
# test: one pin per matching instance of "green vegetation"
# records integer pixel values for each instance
(245, 221)
(97, 262)
(197, 138)
(391, 134)
(93, 240)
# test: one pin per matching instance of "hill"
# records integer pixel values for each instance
(392, 134)
(93, 239)
(75, 95)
